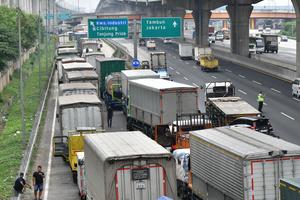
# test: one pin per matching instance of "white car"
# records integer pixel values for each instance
(296, 88)
(211, 38)
(219, 36)
(151, 45)
(167, 41)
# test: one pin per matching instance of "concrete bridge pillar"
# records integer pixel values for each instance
(297, 10)
(239, 17)
(201, 18)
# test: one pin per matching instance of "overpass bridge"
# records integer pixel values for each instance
(238, 11)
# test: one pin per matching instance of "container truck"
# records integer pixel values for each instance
(68, 89)
(92, 56)
(106, 66)
(127, 75)
(185, 51)
(128, 165)
(239, 163)
(84, 76)
(290, 189)
(90, 44)
(158, 63)
(271, 43)
(78, 115)
(154, 104)
(223, 110)
(75, 66)
(113, 91)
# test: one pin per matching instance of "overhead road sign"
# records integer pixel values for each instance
(108, 28)
(161, 27)
(64, 16)
(49, 16)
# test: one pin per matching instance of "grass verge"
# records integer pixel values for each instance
(11, 150)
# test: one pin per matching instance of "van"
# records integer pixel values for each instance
(151, 44)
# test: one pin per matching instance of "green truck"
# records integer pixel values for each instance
(290, 189)
(104, 68)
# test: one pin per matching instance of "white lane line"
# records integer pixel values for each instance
(214, 77)
(171, 68)
(287, 116)
(50, 154)
(195, 67)
(185, 78)
(177, 72)
(241, 91)
(227, 70)
(258, 83)
(187, 63)
(296, 99)
(241, 76)
(275, 90)
(265, 104)
(195, 85)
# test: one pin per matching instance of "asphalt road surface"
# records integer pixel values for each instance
(282, 109)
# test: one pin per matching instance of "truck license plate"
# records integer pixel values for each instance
(140, 185)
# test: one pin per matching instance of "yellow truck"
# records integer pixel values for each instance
(205, 58)
(78, 115)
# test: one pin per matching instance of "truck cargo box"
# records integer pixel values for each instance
(84, 76)
(75, 66)
(92, 56)
(157, 101)
(290, 189)
(240, 164)
(223, 110)
(128, 165)
(67, 89)
(127, 75)
(185, 50)
(106, 66)
(79, 111)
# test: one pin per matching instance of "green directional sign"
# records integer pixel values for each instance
(161, 27)
(108, 28)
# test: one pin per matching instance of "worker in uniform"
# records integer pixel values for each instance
(110, 114)
(260, 100)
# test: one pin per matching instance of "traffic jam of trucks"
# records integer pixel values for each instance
(171, 150)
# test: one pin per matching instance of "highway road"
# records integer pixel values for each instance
(280, 106)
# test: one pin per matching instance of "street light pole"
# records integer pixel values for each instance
(21, 77)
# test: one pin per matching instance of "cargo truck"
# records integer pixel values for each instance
(223, 110)
(154, 104)
(90, 44)
(113, 91)
(205, 58)
(75, 66)
(185, 51)
(290, 189)
(158, 63)
(219, 89)
(84, 76)
(271, 43)
(128, 165)
(240, 163)
(68, 89)
(106, 66)
(92, 56)
(78, 115)
(127, 75)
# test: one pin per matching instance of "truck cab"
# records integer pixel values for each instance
(151, 45)
(296, 88)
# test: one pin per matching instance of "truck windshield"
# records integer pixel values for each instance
(259, 43)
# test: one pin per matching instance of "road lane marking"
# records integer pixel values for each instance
(185, 78)
(241, 76)
(195, 85)
(171, 68)
(258, 83)
(227, 70)
(177, 72)
(296, 99)
(265, 104)
(50, 153)
(187, 63)
(214, 77)
(275, 90)
(195, 67)
(174, 57)
(241, 91)
(287, 116)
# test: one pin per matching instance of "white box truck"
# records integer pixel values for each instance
(185, 51)
(239, 163)
(128, 166)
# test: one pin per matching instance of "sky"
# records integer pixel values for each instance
(90, 5)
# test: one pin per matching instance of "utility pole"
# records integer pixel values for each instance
(135, 37)
(21, 77)
(47, 31)
(39, 50)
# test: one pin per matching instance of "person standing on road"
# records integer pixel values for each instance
(110, 114)
(20, 185)
(37, 181)
(260, 99)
